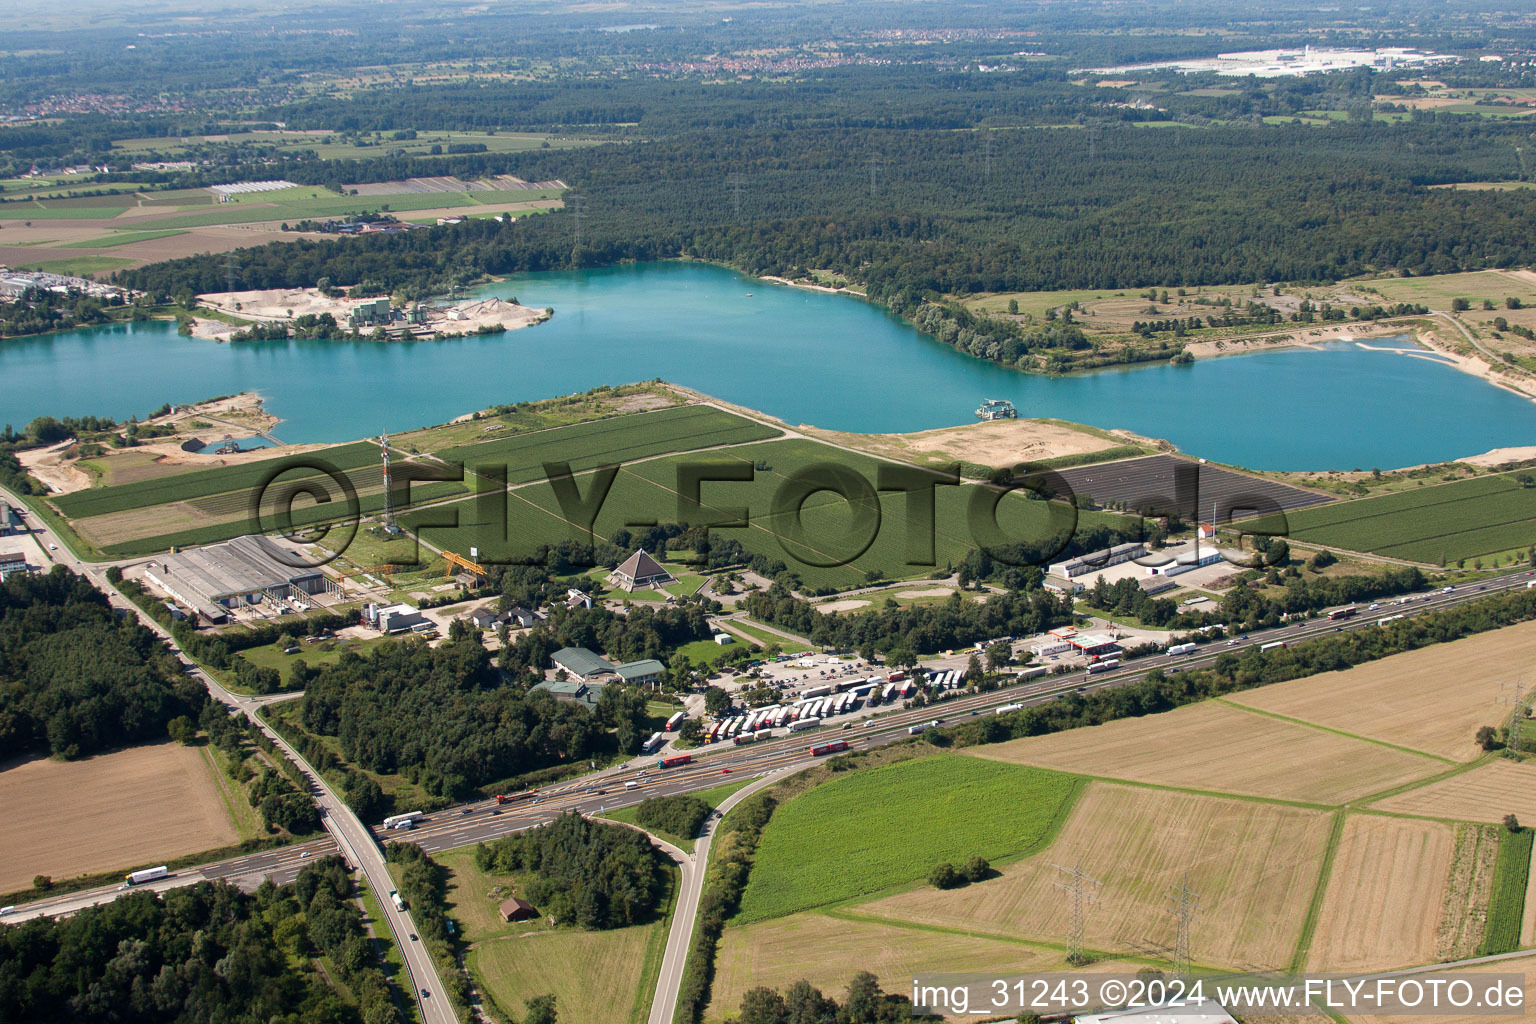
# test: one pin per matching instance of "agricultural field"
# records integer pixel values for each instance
(833, 546)
(1255, 865)
(1386, 894)
(1485, 793)
(1525, 966)
(1479, 518)
(141, 805)
(585, 446)
(827, 950)
(596, 404)
(336, 146)
(1438, 290)
(1431, 700)
(1506, 901)
(944, 808)
(211, 505)
(583, 970)
(1212, 745)
(146, 227)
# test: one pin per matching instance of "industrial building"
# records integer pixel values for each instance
(642, 672)
(639, 570)
(576, 691)
(246, 571)
(580, 663)
(395, 618)
(1186, 561)
(1203, 1012)
(10, 520)
(1096, 560)
(12, 562)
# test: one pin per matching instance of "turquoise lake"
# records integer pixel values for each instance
(806, 357)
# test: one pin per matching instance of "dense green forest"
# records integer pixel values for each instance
(76, 678)
(583, 873)
(450, 721)
(915, 213)
(201, 954)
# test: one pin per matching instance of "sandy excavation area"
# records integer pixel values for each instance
(142, 805)
(235, 417)
(990, 443)
(278, 305)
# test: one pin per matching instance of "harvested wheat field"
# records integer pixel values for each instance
(143, 805)
(1517, 965)
(1215, 746)
(1485, 793)
(1385, 895)
(827, 951)
(1433, 699)
(1254, 864)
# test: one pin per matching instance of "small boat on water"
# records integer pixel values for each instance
(996, 409)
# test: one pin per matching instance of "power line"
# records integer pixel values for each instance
(578, 206)
(986, 148)
(735, 183)
(1519, 699)
(1185, 908)
(1083, 890)
(874, 173)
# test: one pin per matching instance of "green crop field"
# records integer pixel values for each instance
(119, 238)
(1506, 903)
(203, 482)
(620, 439)
(825, 547)
(887, 826)
(1473, 518)
(55, 210)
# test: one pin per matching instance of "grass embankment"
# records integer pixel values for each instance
(888, 826)
(606, 977)
(1506, 904)
(712, 797)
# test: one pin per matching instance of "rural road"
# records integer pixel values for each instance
(670, 978)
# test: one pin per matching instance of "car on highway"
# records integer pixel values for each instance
(467, 810)
(725, 771)
(413, 937)
(1231, 643)
(425, 993)
(1448, 590)
(304, 855)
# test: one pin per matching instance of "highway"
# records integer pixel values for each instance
(348, 834)
(612, 788)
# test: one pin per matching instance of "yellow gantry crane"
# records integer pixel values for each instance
(463, 563)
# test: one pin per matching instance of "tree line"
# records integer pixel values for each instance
(201, 953)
